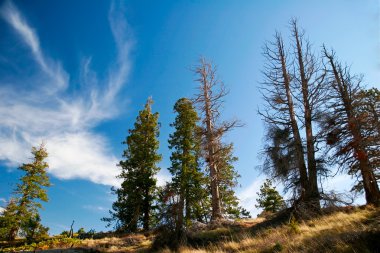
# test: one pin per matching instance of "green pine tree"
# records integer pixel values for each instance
(32, 229)
(227, 181)
(269, 198)
(8, 218)
(29, 193)
(187, 178)
(134, 204)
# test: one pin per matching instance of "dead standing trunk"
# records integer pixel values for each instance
(312, 193)
(304, 182)
(210, 139)
(209, 100)
(371, 188)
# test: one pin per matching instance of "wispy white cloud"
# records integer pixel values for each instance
(92, 164)
(51, 68)
(122, 34)
(64, 121)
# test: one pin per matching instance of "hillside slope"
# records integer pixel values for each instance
(350, 229)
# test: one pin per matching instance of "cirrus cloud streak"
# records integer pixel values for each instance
(49, 112)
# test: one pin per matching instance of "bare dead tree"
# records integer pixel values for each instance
(347, 127)
(71, 233)
(294, 91)
(280, 116)
(309, 82)
(209, 101)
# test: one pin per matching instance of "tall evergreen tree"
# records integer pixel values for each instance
(30, 191)
(187, 177)
(135, 197)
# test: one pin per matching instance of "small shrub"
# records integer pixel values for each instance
(65, 233)
(277, 247)
(294, 225)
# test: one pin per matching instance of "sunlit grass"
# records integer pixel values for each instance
(348, 230)
(340, 232)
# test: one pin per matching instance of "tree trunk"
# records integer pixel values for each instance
(372, 193)
(132, 226)
(188, 211)
(146, 217)
(312, 195)
(295, 130)
(12, 234)
(179, 224)
(371, 188)
(215, 196)
(210, 100)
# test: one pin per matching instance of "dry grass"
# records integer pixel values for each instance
(348, 230)
(355, 231)
(130, 243)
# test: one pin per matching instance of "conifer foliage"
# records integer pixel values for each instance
(269, 198)
(187, 179)
(227, 182)
(134, 205)
(21, 213)
(32, 229)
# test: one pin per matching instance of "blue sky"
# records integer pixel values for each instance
(74, 74)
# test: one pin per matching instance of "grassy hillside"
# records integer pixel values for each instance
(352, 230)
(349, 229)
